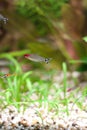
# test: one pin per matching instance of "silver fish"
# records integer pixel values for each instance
(37, 58)
(3, 19)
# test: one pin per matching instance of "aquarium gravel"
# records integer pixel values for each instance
(34, 118)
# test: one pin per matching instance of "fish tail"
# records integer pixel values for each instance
(47, 60)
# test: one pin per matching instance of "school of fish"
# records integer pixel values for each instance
(32, 57)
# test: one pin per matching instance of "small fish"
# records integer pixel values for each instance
(37, 58)
(3, 19)
(71, 89)
(6, 75)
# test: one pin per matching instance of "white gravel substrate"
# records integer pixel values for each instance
(34, 118)
(39, 118)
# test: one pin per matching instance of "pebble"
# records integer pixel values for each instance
(11, 119)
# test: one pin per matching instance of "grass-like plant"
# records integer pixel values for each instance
(24, 89)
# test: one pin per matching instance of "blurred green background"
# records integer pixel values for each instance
(50, 28)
